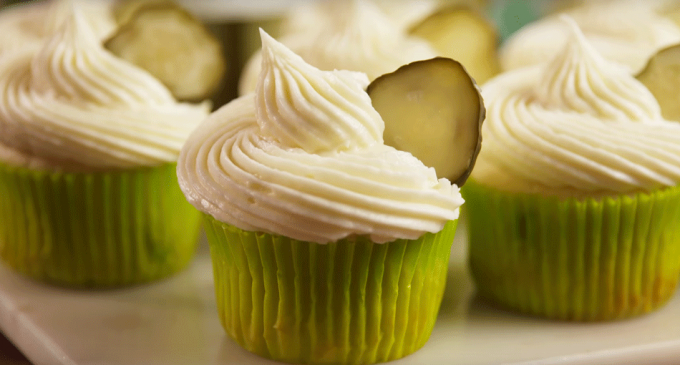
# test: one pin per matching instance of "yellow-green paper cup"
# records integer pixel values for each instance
(99, 229)
(589, 259)
(347, 302)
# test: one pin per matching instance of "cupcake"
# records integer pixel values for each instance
(88, 144)
(327, 245)
(623, 31)
(574, 202)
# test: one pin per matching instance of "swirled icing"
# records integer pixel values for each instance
(72, 105)
(303, 157)
(32, 23)
(628, 32)
(577, 125)
(346, 35)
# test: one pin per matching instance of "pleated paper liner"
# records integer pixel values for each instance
(349, 302)
(99, 229)
(590, 259)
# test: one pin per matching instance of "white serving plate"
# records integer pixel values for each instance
(175, 322)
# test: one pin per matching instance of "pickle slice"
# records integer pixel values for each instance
(434, 110)
(174, 46)
(662, 78)
(462, 34)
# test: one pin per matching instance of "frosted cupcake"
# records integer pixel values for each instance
(87, 150)
(628, 32)
(327, 245)
(574, 201)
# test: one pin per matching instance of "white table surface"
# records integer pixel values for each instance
(175, 322)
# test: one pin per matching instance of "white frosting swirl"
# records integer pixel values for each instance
(345, 35)
(624, 31)
(303, 157)
(33, 23)
(75, 106)
(577, 125)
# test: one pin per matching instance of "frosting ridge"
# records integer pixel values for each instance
(32, 23)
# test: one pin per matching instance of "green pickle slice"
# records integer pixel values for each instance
(434, 110)
(662, 77)
(463, 34)
(172, 45)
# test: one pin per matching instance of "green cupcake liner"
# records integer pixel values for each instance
(95, 229)
(348, 302)
(588, 259)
